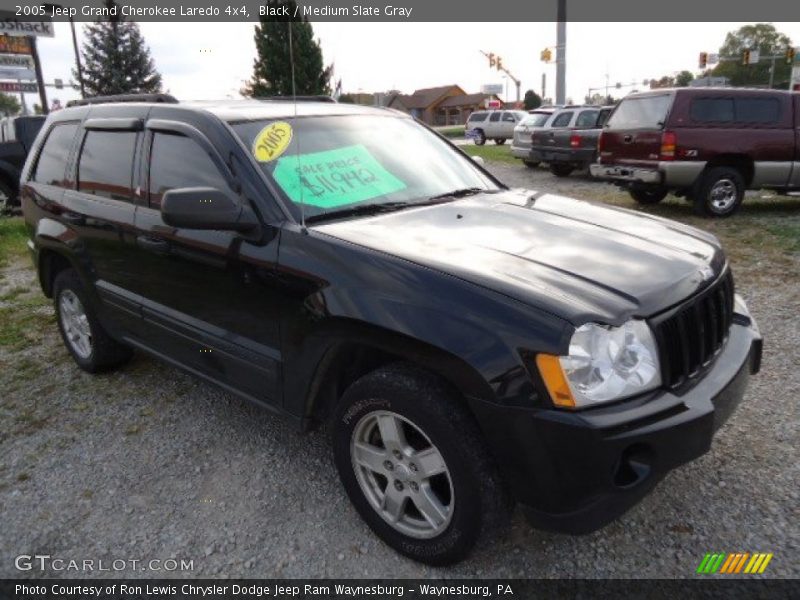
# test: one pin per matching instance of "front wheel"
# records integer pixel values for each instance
(719, 192)
(648, 195)
(414, 465)
(8, 198)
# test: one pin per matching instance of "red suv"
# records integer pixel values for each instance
(706, 144)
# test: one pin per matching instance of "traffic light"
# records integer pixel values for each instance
(499, 63)
(703, 62)
(546, 55)
(746, 56)
(790, 55)
(491, 59)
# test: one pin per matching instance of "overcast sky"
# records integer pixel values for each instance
(211, 60)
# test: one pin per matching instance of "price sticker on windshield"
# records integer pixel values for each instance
(335, 177)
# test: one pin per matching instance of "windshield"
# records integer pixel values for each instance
(535, 120)
(335, 164)
(644, 112)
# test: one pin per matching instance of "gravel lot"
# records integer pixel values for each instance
(149, 463)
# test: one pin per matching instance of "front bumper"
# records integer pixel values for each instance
(577, 471)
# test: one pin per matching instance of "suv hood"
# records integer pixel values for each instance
(575, 259)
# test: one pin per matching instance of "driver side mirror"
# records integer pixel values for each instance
(206, 208)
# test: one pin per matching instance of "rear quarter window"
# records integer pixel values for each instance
(712, 110)
(757, 110)
(563, 119)
(586, 118)
(52, 163)
(642, 112)
(477, 117)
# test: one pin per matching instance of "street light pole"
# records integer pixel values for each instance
(561, 52)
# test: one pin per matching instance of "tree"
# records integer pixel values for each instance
(532, 100)
(683, 79)
(9, 106)
(272, 74)
(116, 59)
(768, 41)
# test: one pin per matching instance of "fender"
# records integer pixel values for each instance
(52, 237)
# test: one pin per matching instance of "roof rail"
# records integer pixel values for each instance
(124, 98)
(320, 98)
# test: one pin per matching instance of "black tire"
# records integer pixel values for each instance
(480, 137)
(105, 352)
(561, 169)
(8, 198)
(500, 141)
(530, 164)
(480, 502)
(648, 195)
(719, 192)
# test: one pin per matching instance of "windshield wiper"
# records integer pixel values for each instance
(363, 210)
(460, 193)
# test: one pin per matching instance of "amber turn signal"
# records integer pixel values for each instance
(555, 381)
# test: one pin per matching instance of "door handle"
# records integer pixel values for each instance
(152, 244)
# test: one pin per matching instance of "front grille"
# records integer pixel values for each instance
(690, 336)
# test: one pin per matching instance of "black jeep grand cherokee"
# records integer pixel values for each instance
(468, 345)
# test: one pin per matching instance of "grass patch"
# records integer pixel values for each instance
(13, 237)
(788, 235)
(13, 293)
(492, 152)
(23, 322)
(452, 132)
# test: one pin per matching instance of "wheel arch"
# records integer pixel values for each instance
(741, 162)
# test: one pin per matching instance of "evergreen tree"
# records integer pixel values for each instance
(116, 59)
(272, 75)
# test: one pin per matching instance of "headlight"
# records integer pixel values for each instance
(604, 363)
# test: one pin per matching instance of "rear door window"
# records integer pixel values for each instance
(494, 117)
(509, 117)
(712, 110)
(177, 161)
(642, 112)
(105, 167)
(757, 110)
(563, 119)
(52, 164)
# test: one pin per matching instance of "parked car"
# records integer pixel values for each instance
(16, 137)
(497, 125)
(706, 144)
(569, 147)
(467, 345)
(521, 142)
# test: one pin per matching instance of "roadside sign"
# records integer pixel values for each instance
(14, 26)
(754, 56)
(14, 45)
(493, 104)
(22, 61)
(713, 58)
(24, 74)
(9, 86)
(492, 88)
(59, 83)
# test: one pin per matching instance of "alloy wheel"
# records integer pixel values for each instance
(75, 323)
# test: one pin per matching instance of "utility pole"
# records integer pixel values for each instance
(77, 56)
(37, 65)
(561, 53)
(544, 86)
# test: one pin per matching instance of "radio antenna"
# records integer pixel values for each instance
(295, 135)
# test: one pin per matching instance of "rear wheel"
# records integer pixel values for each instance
(500, 141)
(414, 465)
(719, 192)
(480, 137)
(648, 195)
(531, 164)
(561, 169)
(7, 197)
(85, 338)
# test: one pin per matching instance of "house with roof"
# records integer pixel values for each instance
(444, 105)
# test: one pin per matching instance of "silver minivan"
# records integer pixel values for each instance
(497, 125)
